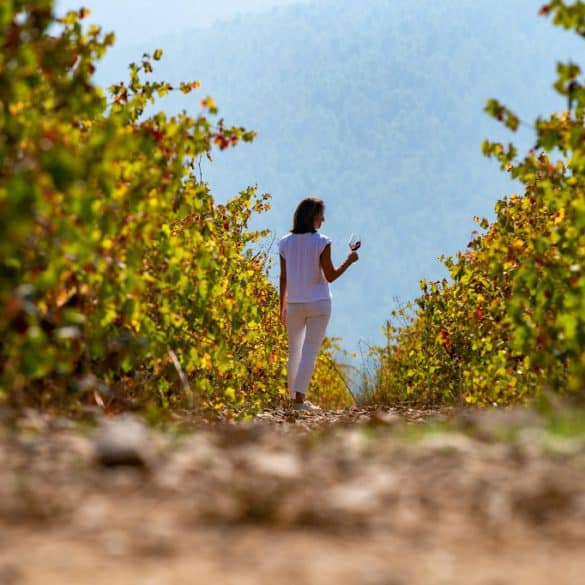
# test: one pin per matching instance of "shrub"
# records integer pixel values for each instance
(511, 320)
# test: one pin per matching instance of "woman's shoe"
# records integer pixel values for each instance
(305, 405)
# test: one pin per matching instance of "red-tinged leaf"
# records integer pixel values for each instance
(157, 135)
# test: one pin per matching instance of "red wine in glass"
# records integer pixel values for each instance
(355, 242)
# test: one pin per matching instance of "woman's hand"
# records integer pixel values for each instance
(331, 273)
(283, 316)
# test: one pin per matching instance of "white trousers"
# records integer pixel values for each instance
(306, 324)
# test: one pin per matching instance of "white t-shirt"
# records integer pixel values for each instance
(304, 275)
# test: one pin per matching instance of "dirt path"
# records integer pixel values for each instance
(350, 497)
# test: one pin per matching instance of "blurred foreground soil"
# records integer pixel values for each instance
(360, 496)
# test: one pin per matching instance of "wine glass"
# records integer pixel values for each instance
(355, 242)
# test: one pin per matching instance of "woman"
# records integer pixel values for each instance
(305, 297)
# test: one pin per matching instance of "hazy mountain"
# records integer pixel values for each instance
(138, 20)
(377, 107)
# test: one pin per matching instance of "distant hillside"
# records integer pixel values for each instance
(377, 107)
(138, 20)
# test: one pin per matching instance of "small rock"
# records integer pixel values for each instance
(265, 416)
(496, 423)
(384, 418)
(362, 495)
(449, 442)
(123, 441)
(284, 465)
(33, 420)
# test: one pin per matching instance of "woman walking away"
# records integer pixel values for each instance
(305, 297)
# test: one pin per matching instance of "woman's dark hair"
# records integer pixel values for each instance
(305, 213)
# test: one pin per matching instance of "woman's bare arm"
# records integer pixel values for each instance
(331, 273)
(283, 293)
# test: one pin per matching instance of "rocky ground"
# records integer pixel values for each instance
(360, 496)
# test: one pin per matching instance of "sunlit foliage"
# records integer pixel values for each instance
(122, 281)
(511, 320)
